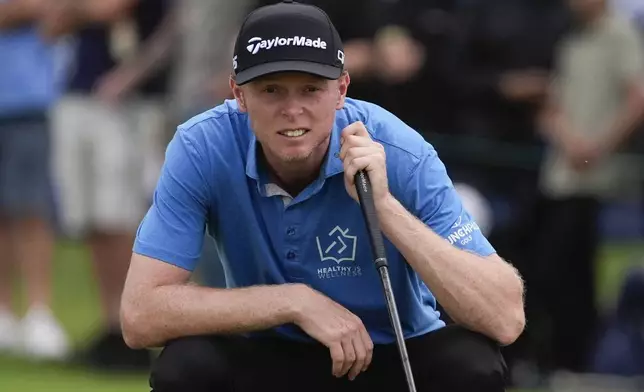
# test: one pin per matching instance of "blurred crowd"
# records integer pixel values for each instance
(536, 107)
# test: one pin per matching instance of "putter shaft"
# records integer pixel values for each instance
(367, 204)
(395, 322)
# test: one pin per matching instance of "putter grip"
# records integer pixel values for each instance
(365, 195)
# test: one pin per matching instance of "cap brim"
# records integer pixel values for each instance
(323, 70)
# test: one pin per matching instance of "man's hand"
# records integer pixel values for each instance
(338, 329)
(580, 152)
(359, 58)
(399, 56)
(583, 154)
(359, 152)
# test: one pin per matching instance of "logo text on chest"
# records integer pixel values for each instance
(339, 272)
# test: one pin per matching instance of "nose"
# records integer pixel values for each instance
(292, 107)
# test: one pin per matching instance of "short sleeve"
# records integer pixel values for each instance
(174, 226)
(433, 199)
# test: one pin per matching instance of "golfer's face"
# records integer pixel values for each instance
(292, 114)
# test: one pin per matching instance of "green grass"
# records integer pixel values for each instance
(76, 304)
(20, 376)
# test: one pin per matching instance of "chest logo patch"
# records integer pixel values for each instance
(337, 246)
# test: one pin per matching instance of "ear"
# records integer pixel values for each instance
(343, 87)
(238, 94)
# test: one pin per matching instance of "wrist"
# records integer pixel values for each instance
(387, 206)
(293, 308)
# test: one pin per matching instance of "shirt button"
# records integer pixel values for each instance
(290, 231)
(290, 255)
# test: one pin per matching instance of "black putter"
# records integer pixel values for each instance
(363, 187)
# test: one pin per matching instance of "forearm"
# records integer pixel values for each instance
(16, 13)
(101, 11)
(155, 52)
(173, 311)
(65, 17)
(484, 295)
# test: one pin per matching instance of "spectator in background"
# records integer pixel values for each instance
(596, 103)
(111, 113)
(410, 53)
(499, 64)
(28, 87)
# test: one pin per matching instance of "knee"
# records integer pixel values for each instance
(473, 362)
(191, 364)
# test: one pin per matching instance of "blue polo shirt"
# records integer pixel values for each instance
(211, 180)
(30, 74)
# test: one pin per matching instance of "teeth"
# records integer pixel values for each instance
(294, 133)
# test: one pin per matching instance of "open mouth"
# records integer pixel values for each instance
(293, 133)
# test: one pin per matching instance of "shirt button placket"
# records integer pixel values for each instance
(291, 249)
(291, 253)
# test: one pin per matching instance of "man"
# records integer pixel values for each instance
(596, 104)
(106, 127)
(271, 175)
(28, 87)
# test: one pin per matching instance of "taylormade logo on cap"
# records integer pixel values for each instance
(257, 43)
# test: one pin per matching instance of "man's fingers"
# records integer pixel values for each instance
(368, 345)
(349, 356)
(337, 357)
(362, 163)
(357, 128)
(361, 354)
(356, 141)
(349, 154)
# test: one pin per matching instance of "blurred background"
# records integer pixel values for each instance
(536, 107)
